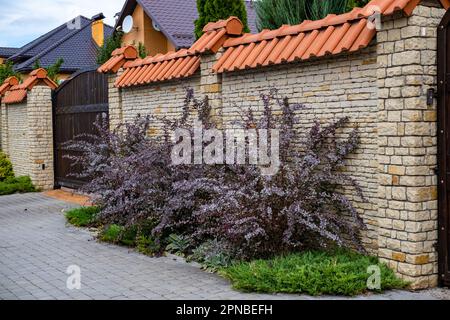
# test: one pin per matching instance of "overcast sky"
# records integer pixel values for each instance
(24, 20)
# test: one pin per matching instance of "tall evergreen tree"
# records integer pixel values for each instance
(200, 22)
(357, 3)
(215, 10)
(272, 14)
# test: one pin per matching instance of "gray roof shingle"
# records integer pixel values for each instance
(6, 52)
(176, 18)
(75, 46)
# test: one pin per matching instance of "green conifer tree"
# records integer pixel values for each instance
(215, 10)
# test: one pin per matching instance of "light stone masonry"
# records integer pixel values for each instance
(27, 137)
(382, 89)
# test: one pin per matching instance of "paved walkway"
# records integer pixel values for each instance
(36, 248)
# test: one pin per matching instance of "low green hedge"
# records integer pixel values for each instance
(82, 217)
(6, 168)
(313, 273)
(16, 185)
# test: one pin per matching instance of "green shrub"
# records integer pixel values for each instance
(126, 236)
(272, 14)
(129, 236)
(215, 10)
(212, 255)
(142, 51)
(148, 245)
(313, 273)
(112, 43)
(6, 71)
(178, 244)
(52, 70)
(83, 217)
(6, 168)
(16, 185)
(112, 233)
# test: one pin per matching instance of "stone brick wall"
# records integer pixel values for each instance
(18, 142)
(329, 89)
(382, 89)
(27, 137)
(407, 145)
(156, 99)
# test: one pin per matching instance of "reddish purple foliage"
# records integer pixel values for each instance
(255, 215)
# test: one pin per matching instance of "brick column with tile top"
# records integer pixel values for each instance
(27, 128)
(40, 137)
(407, 144)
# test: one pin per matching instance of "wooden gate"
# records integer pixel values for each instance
(76, 105)
(444, 147)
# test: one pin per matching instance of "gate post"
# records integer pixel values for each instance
(40, 137)
(407, 235)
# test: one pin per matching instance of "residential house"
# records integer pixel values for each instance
(76, 41)
(166, 25)
(6, 53)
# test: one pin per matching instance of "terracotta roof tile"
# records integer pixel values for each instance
(445, 4)
(172, 65)
(7, 84)
(18, 92)
(332, 35)
(118, 59)
(15, 96)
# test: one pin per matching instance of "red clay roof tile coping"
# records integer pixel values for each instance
(7, 84)
(332, 35)
(172, 65)
(17, 92)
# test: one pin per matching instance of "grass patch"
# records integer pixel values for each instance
(313, 273)
(16, 185)
(111, 233)
(82, 217)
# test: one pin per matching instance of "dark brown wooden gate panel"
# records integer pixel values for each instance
(76, 104)
(444, 147)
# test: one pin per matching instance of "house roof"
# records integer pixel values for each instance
(332, 35)
(6, 52)
(18, 92)
(60, 43)
(176, 18)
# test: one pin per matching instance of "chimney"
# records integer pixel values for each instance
(98, 33)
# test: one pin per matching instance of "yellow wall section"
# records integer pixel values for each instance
(155, 42)
(98, 33)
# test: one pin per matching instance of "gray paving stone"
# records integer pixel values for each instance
(36, 247)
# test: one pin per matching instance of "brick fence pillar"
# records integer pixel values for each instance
(40, 137)
(407, 145)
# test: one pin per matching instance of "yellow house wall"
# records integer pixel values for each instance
(143, 32)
